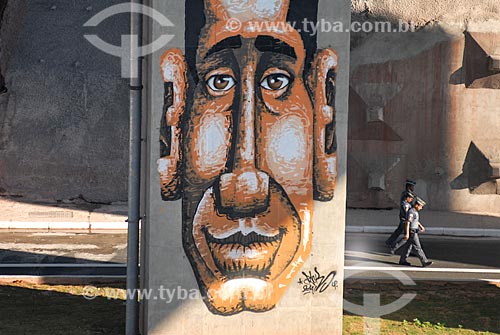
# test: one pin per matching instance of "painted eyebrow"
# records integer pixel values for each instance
(271, 44)
(233, 42)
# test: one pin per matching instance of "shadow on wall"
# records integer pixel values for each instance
(64, 129)
(406, 93)
(394, 124)
(478, 174)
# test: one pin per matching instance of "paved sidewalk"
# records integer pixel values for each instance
(435, 222)
(16, 214)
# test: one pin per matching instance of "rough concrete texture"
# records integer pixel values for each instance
(65, 120)
(432, 128)
(10, 28)
(11, 24)
(381, 47)
(423, 11)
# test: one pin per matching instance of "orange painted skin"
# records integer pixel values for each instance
(247, 150)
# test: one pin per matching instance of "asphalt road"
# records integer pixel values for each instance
(455, 258)
(62, 254)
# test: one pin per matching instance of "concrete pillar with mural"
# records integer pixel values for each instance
(246, 175)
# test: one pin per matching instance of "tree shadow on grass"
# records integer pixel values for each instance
(473, 306)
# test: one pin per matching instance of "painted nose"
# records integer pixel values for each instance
(244, 191)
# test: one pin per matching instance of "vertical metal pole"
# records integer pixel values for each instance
(134, 179)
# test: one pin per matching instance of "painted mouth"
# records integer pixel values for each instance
(241, 255)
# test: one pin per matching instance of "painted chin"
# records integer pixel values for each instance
(260, 247)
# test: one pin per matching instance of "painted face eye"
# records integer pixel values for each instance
(221, 82)
(275, 82)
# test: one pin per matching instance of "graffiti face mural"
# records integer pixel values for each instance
(247, 143)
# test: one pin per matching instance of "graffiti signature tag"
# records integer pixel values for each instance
(316, 282)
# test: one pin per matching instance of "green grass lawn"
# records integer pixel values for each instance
(439, 308)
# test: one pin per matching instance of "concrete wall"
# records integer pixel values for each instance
(434, 106)
(422, 12)
(64, 123)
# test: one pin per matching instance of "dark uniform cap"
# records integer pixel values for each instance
(411, 182)
(410, 194)
(421, 201)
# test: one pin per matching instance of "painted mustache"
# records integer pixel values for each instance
(241, 255)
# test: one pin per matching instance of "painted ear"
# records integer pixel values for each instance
(173, 68)
(321, 82)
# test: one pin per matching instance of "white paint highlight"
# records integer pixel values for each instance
(306, 226)
(250, 180)
(247, 231)
(162, 164)
(287, 149)
(253, 9)
(232, 288)
(211, 146)
(238, 254)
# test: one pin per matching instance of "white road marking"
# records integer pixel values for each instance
(38, 247)
(62, 265)
(417, 269)
(16, 277)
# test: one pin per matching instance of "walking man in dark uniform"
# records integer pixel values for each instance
(406, 203)
(409, 187)
(413, 226)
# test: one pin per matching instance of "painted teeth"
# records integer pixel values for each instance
(250, 255)
(245, 240)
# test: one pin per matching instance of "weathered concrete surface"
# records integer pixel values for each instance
(11, 25)
(10, 29)
(65, 125)
(431, 127)
(423, 11)
(380, 47)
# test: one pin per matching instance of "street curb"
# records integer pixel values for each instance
(441, 231)
(121, 225)
(55, 226)
(63, 280)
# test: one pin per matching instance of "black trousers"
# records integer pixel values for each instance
(413, 243)
(391, 241)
